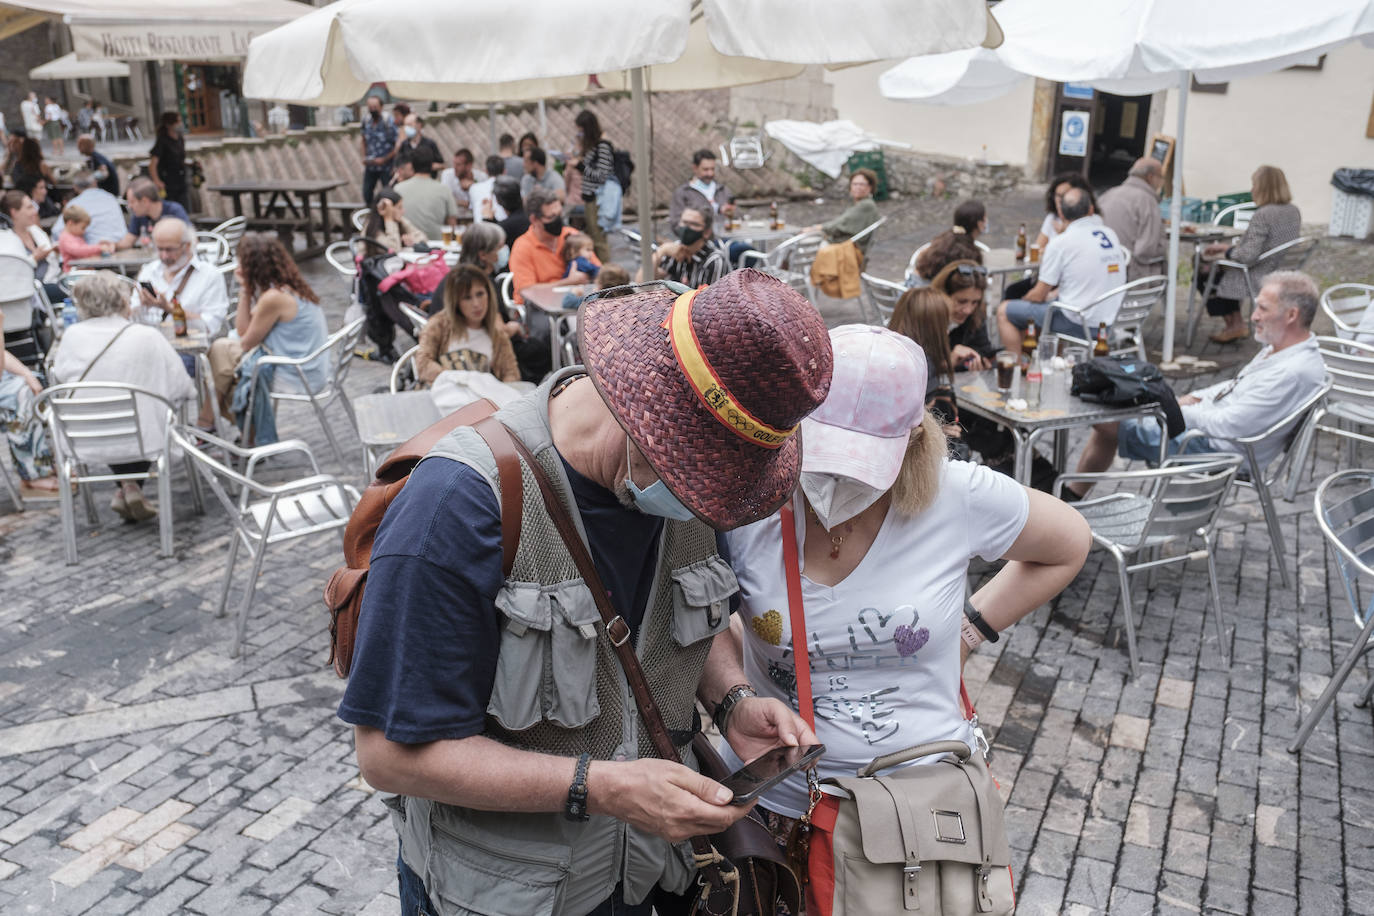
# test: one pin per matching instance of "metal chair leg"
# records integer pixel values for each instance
(1303, 450)
(234, 541)
(1125, 579)
(242, 626)
(1272, 521)
(1334, 685)
(88, 499)
(1223, 644)
(11, 489)
(67, 504)
(163, 469)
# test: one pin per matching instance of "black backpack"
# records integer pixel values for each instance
(1127, 381)
(623, 166)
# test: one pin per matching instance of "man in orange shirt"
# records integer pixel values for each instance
(537, 256)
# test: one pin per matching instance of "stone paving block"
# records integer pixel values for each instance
(1146, 825)
(1041, 895)
(1101, 839)
(1127, 902)
(230, 895)
(1276, 869)
(1090, 884)
(1320, 859)
(1227, 888)
(171, 898)
(1139, 868)
(1054, 854)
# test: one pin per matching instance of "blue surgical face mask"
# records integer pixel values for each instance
(503, 257)
(410, 131)
(656, 499)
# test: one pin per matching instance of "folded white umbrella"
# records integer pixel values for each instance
(826, 146)
(1135, 47)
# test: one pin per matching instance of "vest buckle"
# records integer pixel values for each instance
(618, 630)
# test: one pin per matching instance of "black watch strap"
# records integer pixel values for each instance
(576, 807)
(721, 717)
(981, 625)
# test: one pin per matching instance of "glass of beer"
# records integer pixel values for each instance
(1006, 370)
(1035, 254)
(448, 236)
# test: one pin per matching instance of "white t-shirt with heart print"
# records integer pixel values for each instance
(884, 642)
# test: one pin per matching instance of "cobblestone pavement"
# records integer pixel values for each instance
(142, 770)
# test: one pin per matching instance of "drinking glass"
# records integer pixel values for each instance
(1006, 370)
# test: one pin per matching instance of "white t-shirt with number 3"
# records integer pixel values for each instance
(1085, 261)
(884, 642)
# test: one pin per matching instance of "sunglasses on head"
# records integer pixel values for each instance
(971, 270)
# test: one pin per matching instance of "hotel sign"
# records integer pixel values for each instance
(177, 41)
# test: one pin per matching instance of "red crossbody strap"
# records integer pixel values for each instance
(969, 711)
(801, 659)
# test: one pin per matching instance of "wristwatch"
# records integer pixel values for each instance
(977, 620)
(575, 809)
(721, 717)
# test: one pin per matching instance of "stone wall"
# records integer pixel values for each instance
(928, 174)
(681, 122)
(18, 55)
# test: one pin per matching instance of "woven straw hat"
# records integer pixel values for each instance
(712, 385)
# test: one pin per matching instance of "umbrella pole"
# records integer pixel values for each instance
(643, 187)
(491, 129)
(1175, 220)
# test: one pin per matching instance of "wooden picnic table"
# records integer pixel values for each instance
(271, 199)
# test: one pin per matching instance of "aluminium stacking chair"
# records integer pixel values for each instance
(1237, 215)
(88, 424)
(1347, 410)
(1182, 499)
(358, 218)
(213, 248)
(403, 372)
(1288, 256)
(289, 381)
(340, 257)
(1137, 299)
(882, 296)
(231, 230)
(263, 514)
(417, 318)
(1344, 506)
(1347, 305)
(790, 262)
(867, 231)
(1265, 480)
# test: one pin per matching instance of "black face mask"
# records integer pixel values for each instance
(689, 236)
(376, 115)
(554, 226)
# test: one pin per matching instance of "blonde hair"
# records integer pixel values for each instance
(1271, 186)
(75, 215)
(918, 482)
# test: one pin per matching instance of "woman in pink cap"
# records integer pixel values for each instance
(885, 525)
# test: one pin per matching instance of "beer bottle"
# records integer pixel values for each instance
(178, 318)
(1021, 243)
(1101, 348)
(773, 216)
(1029, 344)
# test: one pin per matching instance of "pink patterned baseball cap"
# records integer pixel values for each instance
(877, 397)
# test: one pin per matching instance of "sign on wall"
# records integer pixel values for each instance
(181, 41)
(1073, 134)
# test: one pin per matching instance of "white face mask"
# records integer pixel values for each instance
(836, 499)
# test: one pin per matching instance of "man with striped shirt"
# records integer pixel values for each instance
(696, 257)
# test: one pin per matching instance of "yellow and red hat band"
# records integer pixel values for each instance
(708, 386)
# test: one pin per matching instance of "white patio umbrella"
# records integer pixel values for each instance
(333, 54)
(67, 67)
(1134, 47)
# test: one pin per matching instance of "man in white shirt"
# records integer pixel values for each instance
(107, 217)
(178, 272)
(54, 126)
(460, 179)
(482, 194)
(1082, 263)
(33, 115)
(1281, 376)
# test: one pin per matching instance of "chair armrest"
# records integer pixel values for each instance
(314, 482)
(285, 447)
(752, 255)
(1226, 262)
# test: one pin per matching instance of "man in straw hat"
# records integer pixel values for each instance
(496, 706)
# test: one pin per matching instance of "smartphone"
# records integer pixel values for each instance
(763, 773)
(148, 288)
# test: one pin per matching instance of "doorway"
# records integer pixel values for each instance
(211, 97)
(1119, 137)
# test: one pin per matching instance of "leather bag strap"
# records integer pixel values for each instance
(501, 443)
(911, 848)
(801, 659)
(618, 632)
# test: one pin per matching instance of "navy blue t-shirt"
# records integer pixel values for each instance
(429, 633)
(138, 224)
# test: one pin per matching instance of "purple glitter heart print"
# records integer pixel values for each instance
(908, 641)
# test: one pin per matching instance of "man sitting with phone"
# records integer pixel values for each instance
(178, 273)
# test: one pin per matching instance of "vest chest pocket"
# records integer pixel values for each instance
(701, 599)
(546, 668)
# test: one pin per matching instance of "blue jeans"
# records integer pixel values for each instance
(1020, 312)
(1139, 439)
(371, 179)
(415, 902)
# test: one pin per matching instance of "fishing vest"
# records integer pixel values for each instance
(560, 690)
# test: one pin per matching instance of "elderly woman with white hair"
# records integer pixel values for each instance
(107, 346)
